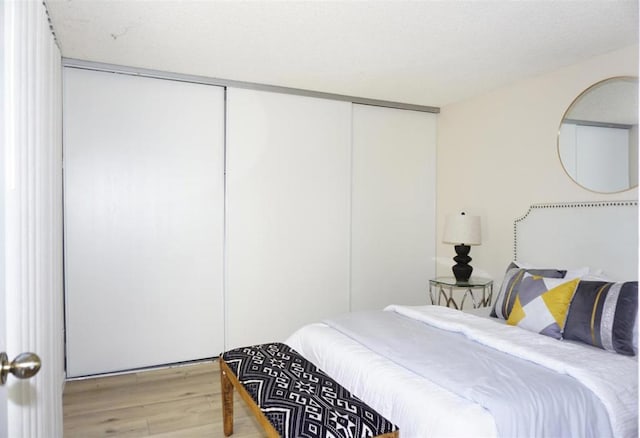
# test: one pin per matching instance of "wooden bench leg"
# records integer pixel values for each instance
(227, 402)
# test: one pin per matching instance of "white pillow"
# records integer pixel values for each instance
(571, 272)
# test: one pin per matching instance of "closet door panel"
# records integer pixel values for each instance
(288, 167)
(393, 206)
(144, 198)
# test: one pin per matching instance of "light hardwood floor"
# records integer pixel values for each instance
(176, 402)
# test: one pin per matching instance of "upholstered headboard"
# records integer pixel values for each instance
(601, 235)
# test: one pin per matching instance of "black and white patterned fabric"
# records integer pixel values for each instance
(299, 399)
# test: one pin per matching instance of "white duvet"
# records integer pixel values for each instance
(421, 408)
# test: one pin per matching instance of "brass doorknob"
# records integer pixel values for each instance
(24, 366)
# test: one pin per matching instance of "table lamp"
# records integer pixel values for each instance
(463, 231)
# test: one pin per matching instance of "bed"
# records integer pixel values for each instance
(439, 372)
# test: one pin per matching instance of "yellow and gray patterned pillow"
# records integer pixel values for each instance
(511, 284)
(541, 304)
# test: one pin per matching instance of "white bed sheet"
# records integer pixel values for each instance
(483, 312)
(418, 406)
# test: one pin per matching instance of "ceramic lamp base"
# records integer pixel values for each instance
(462, 270)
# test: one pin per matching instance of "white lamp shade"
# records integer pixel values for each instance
(462, 229)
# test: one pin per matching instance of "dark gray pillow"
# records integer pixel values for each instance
(604, 314)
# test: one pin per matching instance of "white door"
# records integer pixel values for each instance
(3, 343)
(393, 243)
(31, 316)
(288, 160)
(144, 215)
(602, 158)
(3, 334)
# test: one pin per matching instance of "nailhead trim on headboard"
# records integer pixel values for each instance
(594, 204)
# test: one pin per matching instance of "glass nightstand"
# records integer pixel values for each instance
(446, 291)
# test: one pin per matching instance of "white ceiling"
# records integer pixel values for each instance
(421, 52)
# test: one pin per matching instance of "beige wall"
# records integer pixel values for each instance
(497, 155)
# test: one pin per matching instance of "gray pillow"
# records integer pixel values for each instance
(604, 314)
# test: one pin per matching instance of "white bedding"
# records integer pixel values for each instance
(421, 408)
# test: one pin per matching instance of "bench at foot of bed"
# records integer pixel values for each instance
(292, 398)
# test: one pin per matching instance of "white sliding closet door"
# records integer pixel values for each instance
(393, 206)
(288, 179)
(144, 197)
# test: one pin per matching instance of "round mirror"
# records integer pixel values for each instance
(598, 136)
